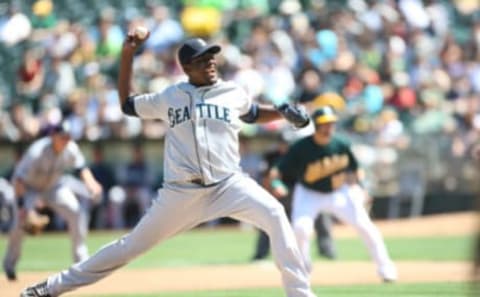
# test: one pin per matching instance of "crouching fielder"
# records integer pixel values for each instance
(36, 177)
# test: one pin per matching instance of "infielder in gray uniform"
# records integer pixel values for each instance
(203, 180)
(38, 176)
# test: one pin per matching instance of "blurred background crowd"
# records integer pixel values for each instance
(404, 76)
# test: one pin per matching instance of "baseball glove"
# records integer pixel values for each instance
(294, 114)
(35, 223)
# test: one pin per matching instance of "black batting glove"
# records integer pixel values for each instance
(294, 114)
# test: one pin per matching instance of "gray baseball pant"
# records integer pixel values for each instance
(180, 207)
(62, 200)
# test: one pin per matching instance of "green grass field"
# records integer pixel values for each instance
(51, 252)
(229, 246)
(410, 290)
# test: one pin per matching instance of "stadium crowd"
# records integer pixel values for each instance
(393, 69)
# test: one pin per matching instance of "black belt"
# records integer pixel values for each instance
(197, 181)
(200, 182)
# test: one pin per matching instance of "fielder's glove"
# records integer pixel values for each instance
(294, 114)
(35, 222)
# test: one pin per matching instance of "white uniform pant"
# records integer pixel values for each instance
(182, 207)
(62, 200)
(347, 204)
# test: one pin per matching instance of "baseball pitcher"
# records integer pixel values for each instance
(203, 180)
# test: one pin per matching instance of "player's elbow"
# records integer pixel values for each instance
(128, 106)
(252, 115)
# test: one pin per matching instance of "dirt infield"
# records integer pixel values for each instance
(250, 276)
(266, 275)
(464, 223)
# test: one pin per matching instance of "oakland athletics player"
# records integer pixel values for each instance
(37, 176)
(328, 181)
(203, 179)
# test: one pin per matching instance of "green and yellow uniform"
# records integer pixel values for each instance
(319, 167)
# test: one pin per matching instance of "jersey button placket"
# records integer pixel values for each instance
(200, 138)
(207, 166)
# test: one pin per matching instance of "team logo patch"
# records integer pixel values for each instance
(325, 167)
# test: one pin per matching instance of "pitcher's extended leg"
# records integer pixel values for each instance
(166, 217)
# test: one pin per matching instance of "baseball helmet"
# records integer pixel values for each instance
(59, 128)
(323, 115)
(63, 127)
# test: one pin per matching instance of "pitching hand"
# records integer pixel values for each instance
(136, 37)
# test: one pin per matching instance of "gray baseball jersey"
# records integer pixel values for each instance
(40, 168)
(202, 142)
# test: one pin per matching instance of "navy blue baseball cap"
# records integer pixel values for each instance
(60, 128)
(195, 47)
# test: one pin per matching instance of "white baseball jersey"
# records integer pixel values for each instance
(41, 168)
(202, 142)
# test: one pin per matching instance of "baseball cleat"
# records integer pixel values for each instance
(389, 280)
(390, 277)
(10, 274)
(328, 252)
(38, 290)
(257, 258)
(388, 273)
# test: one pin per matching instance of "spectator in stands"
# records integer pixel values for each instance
(27, 125)
(43, 14)
(165, 31)
(30, 75)
(108, 37)
(75, 113)
(15, 26)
